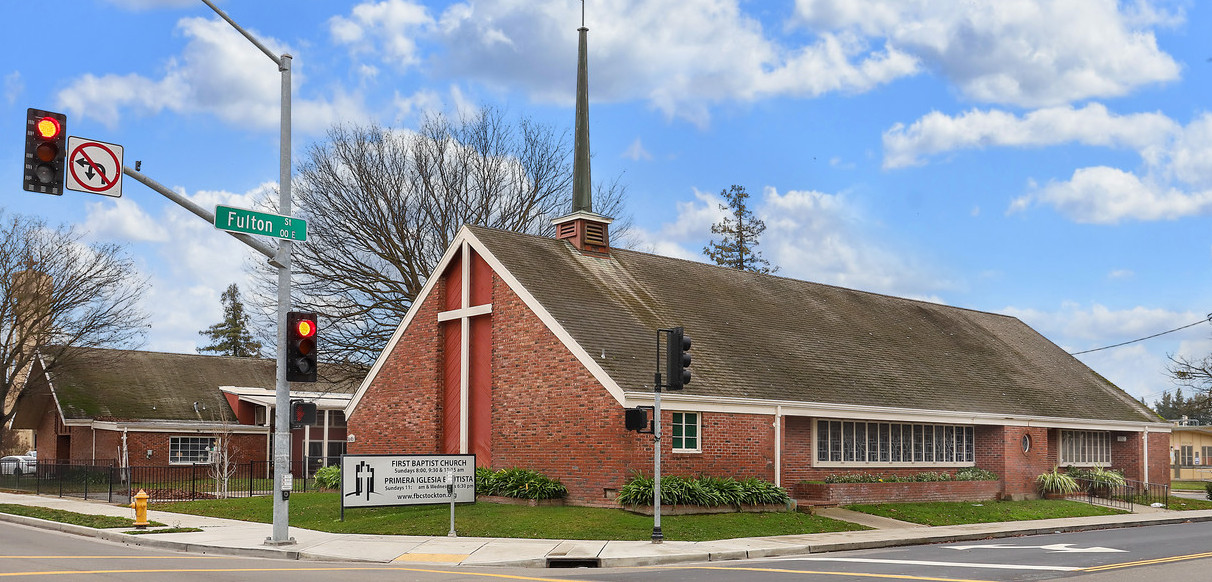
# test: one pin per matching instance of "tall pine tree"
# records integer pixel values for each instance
(740, 230)
(231, 336)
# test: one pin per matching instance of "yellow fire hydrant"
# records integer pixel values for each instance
(140, 505)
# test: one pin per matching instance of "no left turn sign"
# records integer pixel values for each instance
(94, 166)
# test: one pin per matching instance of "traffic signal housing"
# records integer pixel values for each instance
(300, 346)
(302, 413)
(677, 359)
(45, 151)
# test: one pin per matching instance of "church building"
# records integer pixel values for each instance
(527, 351)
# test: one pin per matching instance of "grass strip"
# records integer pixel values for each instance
(1187, 485)
(956, 513)
(136, 532)
(1188, 504)
(321, 511)
(62, 516)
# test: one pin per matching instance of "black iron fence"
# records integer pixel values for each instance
(162, 483)
(1122, 495)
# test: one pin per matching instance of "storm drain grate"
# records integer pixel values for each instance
(574, 563)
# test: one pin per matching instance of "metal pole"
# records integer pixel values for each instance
(281, 528)
(657, 536)
(281, 531)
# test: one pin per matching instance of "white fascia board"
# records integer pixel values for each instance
(691, 403)
(548, 320)
(178, 427)
(419, 300)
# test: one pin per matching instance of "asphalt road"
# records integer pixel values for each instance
(1174, 552)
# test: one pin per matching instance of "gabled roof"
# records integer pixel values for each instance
(129, 385)
(764, 338)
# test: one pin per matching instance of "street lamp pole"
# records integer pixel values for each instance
(281, 526)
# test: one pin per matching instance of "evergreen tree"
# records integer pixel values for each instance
(740, 230)
(231, 337)
(1197, 407)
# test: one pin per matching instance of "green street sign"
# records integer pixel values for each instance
(263, 223)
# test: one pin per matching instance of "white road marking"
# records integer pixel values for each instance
(1063, 548)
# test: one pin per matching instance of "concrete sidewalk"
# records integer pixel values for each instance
(230, 537)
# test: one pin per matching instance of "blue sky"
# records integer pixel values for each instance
(1047, 160)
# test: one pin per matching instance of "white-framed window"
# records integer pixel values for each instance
(1085, 447)
(1187, 455)
(185, 450)
(850, 443)
(1207, 451)
(686, 433)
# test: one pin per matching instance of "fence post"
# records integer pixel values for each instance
(193, 481)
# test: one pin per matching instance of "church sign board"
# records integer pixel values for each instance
(380, 480)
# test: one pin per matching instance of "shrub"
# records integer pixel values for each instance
(1056, 482)
(329, 477)
(1208, 491)
(518, 483)
(703, 491)
(964, 474)
(1098, 476)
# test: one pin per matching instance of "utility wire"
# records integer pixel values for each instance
(1206, 319)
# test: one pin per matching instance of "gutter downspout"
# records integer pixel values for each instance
(778, 446)
(1145, 445)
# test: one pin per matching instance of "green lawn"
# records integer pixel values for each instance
(955, 513)
(61, 516)
(1186, 504)
(1187, 485)
(322, 511)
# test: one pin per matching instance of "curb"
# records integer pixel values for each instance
(920, 537)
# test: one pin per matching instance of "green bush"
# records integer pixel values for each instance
(518, 483)
(703, 491)
(329, 477)
(1056, 482)
(1208, 491)
(963, 474)
(1098, 476)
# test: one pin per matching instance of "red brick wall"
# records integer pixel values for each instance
(400, 411)
(845, 493)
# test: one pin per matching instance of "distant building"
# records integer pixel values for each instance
(137, 408)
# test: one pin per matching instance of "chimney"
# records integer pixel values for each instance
(583, 228)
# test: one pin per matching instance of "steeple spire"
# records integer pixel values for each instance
(584, 229)
(582, 198)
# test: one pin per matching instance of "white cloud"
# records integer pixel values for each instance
(1016, 52)
(194, 262)
(392, 25)
(219, 73)
(1093, 125)
(636, 152)
(680, 57)
(14, 86)
(122, 219)
(1121, 274)
(1138, 368)
(1173, 181)
(810, 235)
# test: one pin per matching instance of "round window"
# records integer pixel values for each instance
(1026, 443)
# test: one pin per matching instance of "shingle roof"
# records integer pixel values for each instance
(773, 338)
(132, 385)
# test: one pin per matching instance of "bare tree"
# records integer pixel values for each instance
(223, 453)
(57, 293)
(382, 205)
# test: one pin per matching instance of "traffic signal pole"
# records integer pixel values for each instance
(282, 480)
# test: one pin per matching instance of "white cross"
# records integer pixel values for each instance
(464, 315)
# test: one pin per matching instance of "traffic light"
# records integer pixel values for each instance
(302, 413)
(677, 359)
(636, 419)
(300, 346)
(45, 150)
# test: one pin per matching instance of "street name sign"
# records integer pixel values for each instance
(262, 223)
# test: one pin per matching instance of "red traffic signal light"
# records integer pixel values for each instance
(301, 346)
(45, 145)
(302, 413)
